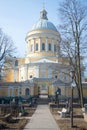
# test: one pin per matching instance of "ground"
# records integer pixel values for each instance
(17, 124)
(64, 123)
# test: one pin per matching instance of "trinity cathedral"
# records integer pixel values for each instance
(42, 71)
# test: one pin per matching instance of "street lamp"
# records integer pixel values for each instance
(58, 92)
(72, 73)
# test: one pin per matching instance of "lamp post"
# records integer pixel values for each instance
(58, 92)
(72, 86)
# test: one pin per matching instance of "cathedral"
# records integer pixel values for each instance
(42, 71)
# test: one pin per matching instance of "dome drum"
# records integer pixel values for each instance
(42, 33)
(43, 38)
(40, 45)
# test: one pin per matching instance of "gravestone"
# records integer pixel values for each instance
(85, 113)
(85, 105)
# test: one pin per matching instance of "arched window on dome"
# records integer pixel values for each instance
(49, 46)
(43, 46)
(36, 46)
(16, 63)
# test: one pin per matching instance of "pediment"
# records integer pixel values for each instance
(44, 61)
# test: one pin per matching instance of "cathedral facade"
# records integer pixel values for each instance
(42, 71)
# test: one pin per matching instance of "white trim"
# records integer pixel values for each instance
(44, 60)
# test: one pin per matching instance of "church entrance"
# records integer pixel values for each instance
(43, 91)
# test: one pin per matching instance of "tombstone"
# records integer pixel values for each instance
(85, 105)
(68, 106)
(85, 112)
(13, 100)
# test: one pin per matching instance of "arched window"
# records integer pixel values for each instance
(49, 46)
(16, 63)
(27, 91)
(31, 76)
(36, 46)
(43, 46)
(56, 76)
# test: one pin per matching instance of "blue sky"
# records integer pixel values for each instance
(18, 16)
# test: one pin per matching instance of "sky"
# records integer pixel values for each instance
(18, 16)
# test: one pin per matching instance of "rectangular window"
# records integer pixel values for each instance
(36, 46)
(49, 46)
(54, 48)
(43, 46)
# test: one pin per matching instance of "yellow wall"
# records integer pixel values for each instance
(36, 90)
(21, 61)
(85, 91)
(4, 91)
(9, 75)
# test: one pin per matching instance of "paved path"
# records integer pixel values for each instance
(42, 120)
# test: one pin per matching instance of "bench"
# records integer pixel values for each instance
(63, 112)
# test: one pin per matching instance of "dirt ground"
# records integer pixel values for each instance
(65, 123)
(17, 124)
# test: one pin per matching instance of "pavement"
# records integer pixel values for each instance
(42, 119)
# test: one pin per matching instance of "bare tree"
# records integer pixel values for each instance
(7, 51)
(74, 32)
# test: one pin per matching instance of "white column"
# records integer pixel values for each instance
(40, 43)
(52, 45)
(28, 46)
(58, 47)
(15, 74)
(26, 72)
(34, 45)
(37, 71)
(46, 44)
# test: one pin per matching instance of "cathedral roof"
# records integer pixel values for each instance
(43, 22)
